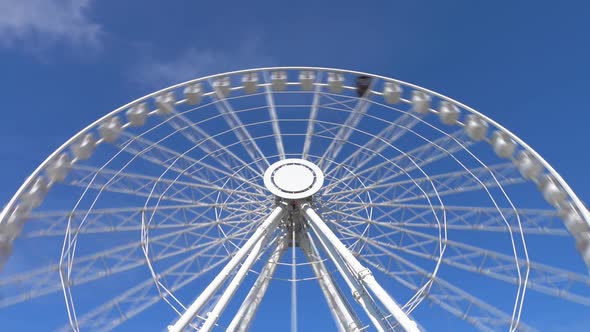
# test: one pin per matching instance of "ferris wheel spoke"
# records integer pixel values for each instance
(542, 278)
(342, 313)
(233, 285)
(139, 298)
(371, 308)
(205, 142)
(124, 219)
(313, 113)
(443, 179)
(386, 137)
(532, 221)
(272, 111)
(445, 184)
(473, 180)
(468, 218)
(240, 131)
(181, 163)
(243, 318)
(99, 265)
(452, 299)
(330, 240)
(406, 162)
(269, 223)
(126, 182)
(345, 131)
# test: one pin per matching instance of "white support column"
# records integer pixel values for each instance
(358, 290)
(204, 297)
(343, 316)
(229, 292)
(249, 307)
(362, 273)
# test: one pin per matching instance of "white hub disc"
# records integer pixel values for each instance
(293, 178)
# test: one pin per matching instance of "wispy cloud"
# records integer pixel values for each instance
(35, 24)
(197, 62)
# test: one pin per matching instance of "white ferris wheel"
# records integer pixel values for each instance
(393, 206)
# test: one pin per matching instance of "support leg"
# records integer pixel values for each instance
(193, 309)
(361, 273)
(343, 315)
(229, 292)
(247, 311)
(358, 290)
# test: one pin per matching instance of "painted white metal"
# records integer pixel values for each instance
(361, 272)
(359, 292)
(293, 178)
(565, 198)
(272, 111)
(243, 318)
(194, 308)
(578, 203)
(233, 285)
(343, 316)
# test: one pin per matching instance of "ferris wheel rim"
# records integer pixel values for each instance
(4, 213)
(546, 167)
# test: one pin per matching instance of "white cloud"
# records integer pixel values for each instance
(194, 63)
(39, 23)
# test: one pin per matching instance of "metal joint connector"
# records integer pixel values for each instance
(362, 274)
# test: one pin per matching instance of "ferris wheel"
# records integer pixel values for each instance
(228, 201)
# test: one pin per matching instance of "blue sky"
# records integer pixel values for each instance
(65, 63)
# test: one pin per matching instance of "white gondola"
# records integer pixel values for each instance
(583, 246)
(222, 86)
(278, 80)
(476, 127)
(193, 93)
(250, 82)
(335, 82)
(16, 221)
(166, 103)
(59, 168)
(318, 172)
(35, 195)
(420, 102)
(573, 220)
(448, 113)
(5, 250)
(551, 191)
(111, 129)
(307, 78)
(503, 145)
(527, 165)
(83, 148)
(137, 114)
(392, 92)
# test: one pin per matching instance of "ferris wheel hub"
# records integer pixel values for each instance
(293, 178)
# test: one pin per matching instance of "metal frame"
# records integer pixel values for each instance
(365, 192)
